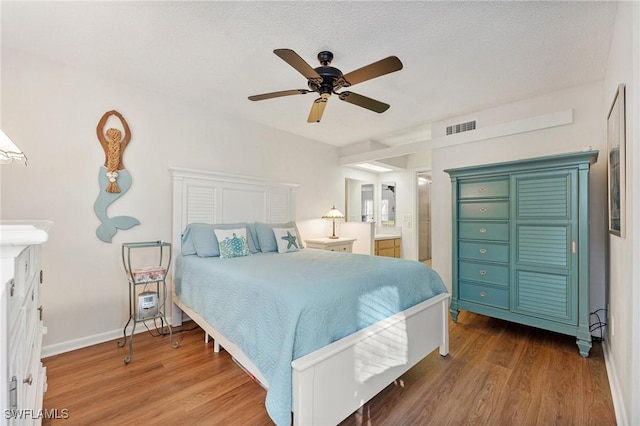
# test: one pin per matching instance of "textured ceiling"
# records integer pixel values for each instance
(459, 57)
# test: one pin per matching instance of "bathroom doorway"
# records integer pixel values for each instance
(424, 217)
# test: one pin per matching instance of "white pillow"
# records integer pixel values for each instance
(286, 239)
(232, 242)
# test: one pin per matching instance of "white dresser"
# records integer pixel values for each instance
(331, 244)
(22, 374)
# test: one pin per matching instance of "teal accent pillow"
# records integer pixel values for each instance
(200, 239)
(267, 239)
(232, 242)
(286, 239)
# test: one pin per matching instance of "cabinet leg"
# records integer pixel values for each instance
(584, 346)
(454, 314)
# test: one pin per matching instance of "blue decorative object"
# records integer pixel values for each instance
(290, 239)
(113, 142)
(232, 243)
(287, 239)
(109, 226)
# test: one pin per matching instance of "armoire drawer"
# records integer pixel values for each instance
(491, 188)
(487, 295)
(497, 231)
(484, 272)
(486, 251)
(483, 210)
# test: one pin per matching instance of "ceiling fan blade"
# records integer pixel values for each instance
(293, 59)
(317, 109)
(376, 69)
(364, 102)
(278, 94)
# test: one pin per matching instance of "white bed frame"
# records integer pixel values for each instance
(334, 381)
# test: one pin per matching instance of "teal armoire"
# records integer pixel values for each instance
(521, 242)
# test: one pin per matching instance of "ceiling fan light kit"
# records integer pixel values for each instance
(326, 80)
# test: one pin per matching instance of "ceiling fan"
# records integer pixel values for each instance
(327, 80)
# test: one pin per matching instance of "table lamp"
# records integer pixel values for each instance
(333, 214)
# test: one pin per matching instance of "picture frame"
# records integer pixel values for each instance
(616, 161)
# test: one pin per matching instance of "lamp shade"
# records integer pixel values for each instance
(9, 152)
(333, 214)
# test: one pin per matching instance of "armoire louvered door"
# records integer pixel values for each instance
(544, 228)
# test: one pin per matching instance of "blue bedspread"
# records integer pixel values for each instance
(279, 307)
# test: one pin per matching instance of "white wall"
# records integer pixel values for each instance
(52, 112)
(587, 130)
(623, 339)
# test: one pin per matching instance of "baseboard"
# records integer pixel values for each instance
(614, 384)
(72, 345)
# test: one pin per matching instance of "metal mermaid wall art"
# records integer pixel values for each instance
(114, 180)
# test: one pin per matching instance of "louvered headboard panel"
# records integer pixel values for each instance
(208, 197)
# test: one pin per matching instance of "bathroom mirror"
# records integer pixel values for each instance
(358, 200)
(388, 204)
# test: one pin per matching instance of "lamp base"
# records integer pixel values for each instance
(333, 233)
(333, 237)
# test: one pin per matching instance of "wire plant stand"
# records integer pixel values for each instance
(153, 276)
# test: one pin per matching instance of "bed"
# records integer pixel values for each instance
(327, 361)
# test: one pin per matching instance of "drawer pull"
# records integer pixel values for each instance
(483, 294)
(483, 272)
(483, 188)
(41, 309)
(482, 230)
(28, 380)
(483, 251)
(483, 209)
(13, 287)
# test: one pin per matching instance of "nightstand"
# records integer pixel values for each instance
(332, 244)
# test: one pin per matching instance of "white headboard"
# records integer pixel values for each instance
(209, 197)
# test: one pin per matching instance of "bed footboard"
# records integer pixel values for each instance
(332, 382)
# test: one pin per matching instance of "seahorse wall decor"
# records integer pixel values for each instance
(113, 179)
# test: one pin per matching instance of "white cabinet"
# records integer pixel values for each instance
(22, 374)
(331, 244)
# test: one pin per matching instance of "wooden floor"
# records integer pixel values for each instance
(497, 373)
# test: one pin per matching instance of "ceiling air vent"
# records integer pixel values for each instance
(461, 127)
